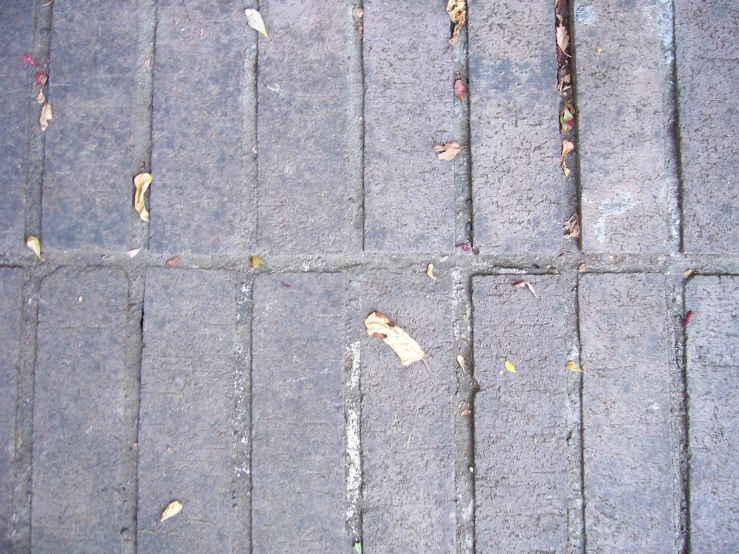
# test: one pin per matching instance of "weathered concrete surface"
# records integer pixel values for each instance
(520, 435)
(87, 190)
(626, 409)
(10, 289)
(713, 371)
(409, 193)
(516, 179)
(187, 404)
(303, 192)
(16, 26)
(407, 417)
(77, 416)
(197, 128)
(624, 146)
(708, 78)
(298, 414)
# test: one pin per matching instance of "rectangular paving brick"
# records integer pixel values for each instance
(197, 127)
(89, 143)
(187, 405)
(16, 28)
(516, 179)
(409, 193)
(713, 392)
(708, 78)
(520, 431)
(78, 411)
(303, 193)
(298, 414)
(624, 146)
(626, 414)
(10, 310)
(407, 417)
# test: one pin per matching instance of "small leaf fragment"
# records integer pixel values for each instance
(172, 509)
(460, 90)
(460, 361)
(563, 39)
(447, 152)
(581, 268)
(402, 344)
(688, 317)
(141, 182)
(357, 548)
(147, 62)
(132, 253)
(256, 262)
(572, 366)
(688, 272)
(528, 285)
(255, 21)
(41, 98)
(41, 79)
(30, 61)
(458, 15)
(430, 271)
(46, 116)
(572, 227)
(172, 261)
(509, 366)
(465, 412)
(34, 244)
(567, 147)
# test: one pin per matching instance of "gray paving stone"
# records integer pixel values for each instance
(407, 417)
(197, 127)
(187, 404)
(409, 193)
(626, 409)
(77, 416)
(10, 306)
(516, 179)
(298, 414)
(89, 143)
(16, 28)
(623, 128)
(303, 194)
(713, 392)
(520, 433)
(708, 78)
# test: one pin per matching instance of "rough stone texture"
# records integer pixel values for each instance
(516, 179)
(185, 428)
(10, 304)
(298, 414)
(407, 417)
(303, 193)
(623, 141)
(197, 127)
(713, 386)
(409, 193)
(77, 416)
(626, 408)
(87, 179)
(16, 26)
(708, 78)
(520, 434)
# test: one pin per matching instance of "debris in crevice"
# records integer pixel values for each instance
(458, 15)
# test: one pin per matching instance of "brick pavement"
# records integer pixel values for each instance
(253, 395)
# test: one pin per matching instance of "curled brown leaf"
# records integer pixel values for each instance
(458, 15)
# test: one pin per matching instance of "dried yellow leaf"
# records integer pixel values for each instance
(255, 21)
(572, 366)
(460, 361)
(447, 152)
(41, 98)
(509, 366)
(34, 244)
(581, 268)
(458, 14)
(566, 118)
(688, 272)
(567, 147)
(132, 253)
(172, 509)
(46, 116)
(256, 262)
(141, 182)
(430, 271)
(528, 285)
(563, 39)
(402, 344)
